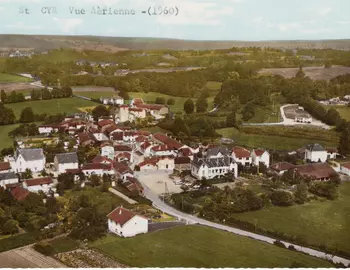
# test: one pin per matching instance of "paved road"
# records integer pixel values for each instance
(189, 219)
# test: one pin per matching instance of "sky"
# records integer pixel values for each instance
(249, 20)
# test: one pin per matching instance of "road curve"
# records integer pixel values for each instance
(189, 219)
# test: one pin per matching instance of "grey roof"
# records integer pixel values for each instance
(7, 176)
(30, 154)
(315, 147)
(212, 162)
(214, 151)
(67, 158)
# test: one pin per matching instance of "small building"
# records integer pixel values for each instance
(8, 178)
(281, 167)
(107, 150)
(162, 150)
(122, 170)
(97, 169)
(241, 156)
(315, 153)
(260, 156)
(19, 193)
(182, 164)
(48, 129)
(5, 167)
(66, 161)
(126, 223)
(316, 171)
(44, 184)
(332, 152)
(302, 116)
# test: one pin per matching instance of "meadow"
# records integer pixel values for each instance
(9, 78)
(344, 111)
(5, 140)
(318, 223)
(197, 246)
(52, 106)
(275, 142)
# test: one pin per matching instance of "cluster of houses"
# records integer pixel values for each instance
(99, 64)
(18, 54)
(337, 101)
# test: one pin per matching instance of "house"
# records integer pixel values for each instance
(85, 138)
(281, 167)
(241, 156)
(332, 152)
(28, 158)
(124, 156)
(66, 161)
(182, 164)
(125, 223)
(107, 150)
(316, 171)
(133, 185)
(344, 168)
(102, 160)
(112, 100)
(154, 109)
(8, 178)
(260, 156)
(136, 101)
(122, 170)
(315, 153)
(97, 169)
(44, 184)
(164, 139)
(104, 124)
(5, 167)
(166, 163)
(48, 129)
(130, 114)
(145, 148)
(100, 137)
(162, 150)
(213, 164)
(19, 193)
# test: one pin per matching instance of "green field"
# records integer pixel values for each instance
(317, 223)
(96, 94)
(52, 106)
(268, 141)
(5, 140)
(344, 111)
(9, 78)
(214, 85)
(197, 246)
(63, 244)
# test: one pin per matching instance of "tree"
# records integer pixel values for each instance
(27, 174)
(27, 115)
(201, 104)
(189, 106)
(328, 64)
(301, 193)
(95, 180)
(46, 94)
(10, 227)
(160, 100)
(3, 96)
(171, 101)
(99, 111)
(282, 198)
(7, 116)
(231, 120)
(300, 73)
(179, 126)
(344, 142)
(233, 75)
(35, 94)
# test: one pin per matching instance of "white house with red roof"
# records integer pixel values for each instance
(166, 163)
(44, 184)
(107, 150)
(97, 169)
(126, 223)
(129, 114)
(164, 139)
(102, 160)
(241, 156)
(260, 155)
(162, 150)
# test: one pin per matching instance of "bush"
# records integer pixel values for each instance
(45, 249)
(324, 189)
(171, 101)
(291, 247)
(282, 198)
(160, 100)
(279, 244)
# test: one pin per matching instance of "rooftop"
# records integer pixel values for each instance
(67, 158)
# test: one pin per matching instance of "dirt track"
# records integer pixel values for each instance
(16, 86)
(26, 257)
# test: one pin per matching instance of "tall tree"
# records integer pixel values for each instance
(231, 120)
(300, 73)
(344, 142)
(201, 104)
(99, 111)
(189, 106)
(27, 115)
(7, 116)
(3, 96)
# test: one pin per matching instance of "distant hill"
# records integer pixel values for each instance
(114, 44)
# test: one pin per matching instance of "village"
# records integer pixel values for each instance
(138, 159)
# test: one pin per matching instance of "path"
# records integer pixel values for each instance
(27, 257)
(121, 195)
(159, 204)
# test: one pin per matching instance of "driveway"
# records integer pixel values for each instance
(189, 219)
(155, 181)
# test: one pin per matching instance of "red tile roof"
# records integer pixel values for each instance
(85, 137)
(154, 107)
(141, 139)
(316, 170)
(106, 144)
(182, 160)
(96, 166)
(118, 136)
(161, 148)
(111, 128)
(166, 140)
(19, 193)
(136, 109)
(121, 215)
(73, 171)
(105, 122)
(38, 181)
(346, 165)
(282, 166)
(145, 145)
(331, 150)
(143, 132)
(122, 168)
(138, 101)
(12, 185)
(130, 133)
(124, 155)
(186, 152)
(241, 152)
(100, 159)
(122, 148)
(259, 152)
(150, 161)
(5, 166)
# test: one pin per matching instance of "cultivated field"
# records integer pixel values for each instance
(20, 86)
(92, 89)
(315, 73)
(27, 257)
(318, 223)
(52, 106)
(197, 246)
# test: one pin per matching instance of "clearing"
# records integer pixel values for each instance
(200, 246)
(315, 73)
(52, 106)
(255, 137)
(344, 111)
(324, 223)
(9, 78)
(5, 140)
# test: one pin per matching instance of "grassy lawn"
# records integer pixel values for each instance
(64, 244)
(197, 246)
(212, 85)
(318, 223)
(52, 106)
(268, 141)
(5, 140)
(344, 111)
(9, 78)
(16, 241)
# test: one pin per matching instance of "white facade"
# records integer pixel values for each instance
(62, 167)
(263, 158)
(47, 130)
(108, 151)
(345, 169)
(161, 153)
(166, 164)
(210, 173)
(245, 161)
(316, 156)
(148, 167)
(100, 137)
(20, 165)
(303, 119)
(99, 172)
(136, 225)
(12, 179)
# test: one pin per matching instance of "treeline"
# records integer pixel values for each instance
(13, 97)
(45, 94)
